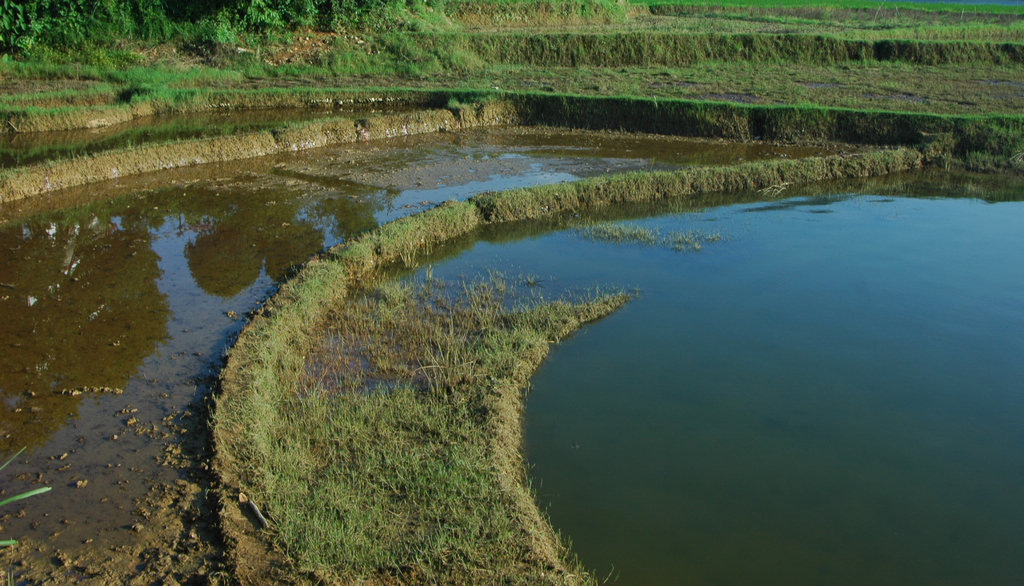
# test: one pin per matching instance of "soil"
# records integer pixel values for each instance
(139, 463)
(176, 539)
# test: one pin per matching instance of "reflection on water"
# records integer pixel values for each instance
(34, 147)
(234, 239)
(138, 284)
(81, 304)
(818, 399)
(80, 307)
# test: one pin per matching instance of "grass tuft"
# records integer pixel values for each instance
(387, 460)
(677, 240)
(380, 431)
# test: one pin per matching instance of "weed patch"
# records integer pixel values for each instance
(412, 469)
(677, 240)
(379, 428)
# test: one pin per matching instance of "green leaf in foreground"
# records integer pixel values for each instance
(18, 497)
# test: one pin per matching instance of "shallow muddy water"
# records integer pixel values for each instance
(34, 147)
(117, 300)
(830, 393)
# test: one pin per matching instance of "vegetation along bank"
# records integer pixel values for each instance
(412, 471)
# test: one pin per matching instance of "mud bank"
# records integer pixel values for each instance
(113, 109)
(980, 142)
(265, 365)
(44, 178)
(671, 49)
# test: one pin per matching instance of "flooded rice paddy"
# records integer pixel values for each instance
(34, 147)
(829, 392)
(117, 300)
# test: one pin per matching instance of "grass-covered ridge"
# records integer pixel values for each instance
(977, 142)
(834, 6)
(123, 33)
(269, 448)
(369, 492)
(411, 453)
(21, 182)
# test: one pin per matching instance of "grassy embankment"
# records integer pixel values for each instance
(412, 470)
(979, 142)
(847, 57)
(313, 459)
(790, 56)
(283, 442)
(31, 180)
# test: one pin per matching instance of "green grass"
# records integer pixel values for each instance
(962, 77)
(677, 240)
(379, 428)
(839, 4)
(408, 469)
(17, 497)
(836, 56)
(403, 448)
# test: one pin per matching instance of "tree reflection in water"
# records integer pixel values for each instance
(238, 234)
(80, 298)
(79, 307)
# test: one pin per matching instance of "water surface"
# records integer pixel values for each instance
(118, 299)
(829, 395)
(34, 147)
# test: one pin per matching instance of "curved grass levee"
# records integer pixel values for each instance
(255, 424)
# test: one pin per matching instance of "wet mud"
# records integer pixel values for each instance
(46, 177)
(26, 148)
(139, 284)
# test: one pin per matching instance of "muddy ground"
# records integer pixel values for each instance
(132, 499)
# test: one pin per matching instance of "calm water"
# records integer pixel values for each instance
(139, 284)
(830, 395)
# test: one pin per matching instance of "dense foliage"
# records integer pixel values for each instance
(25, 24)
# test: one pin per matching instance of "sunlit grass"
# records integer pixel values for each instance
(387, 463)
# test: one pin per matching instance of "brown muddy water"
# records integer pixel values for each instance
(118, 300)
(33, 147)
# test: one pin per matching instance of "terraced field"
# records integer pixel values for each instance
(195, 230)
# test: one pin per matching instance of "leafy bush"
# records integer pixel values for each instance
(14, 25)
(70, 24)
